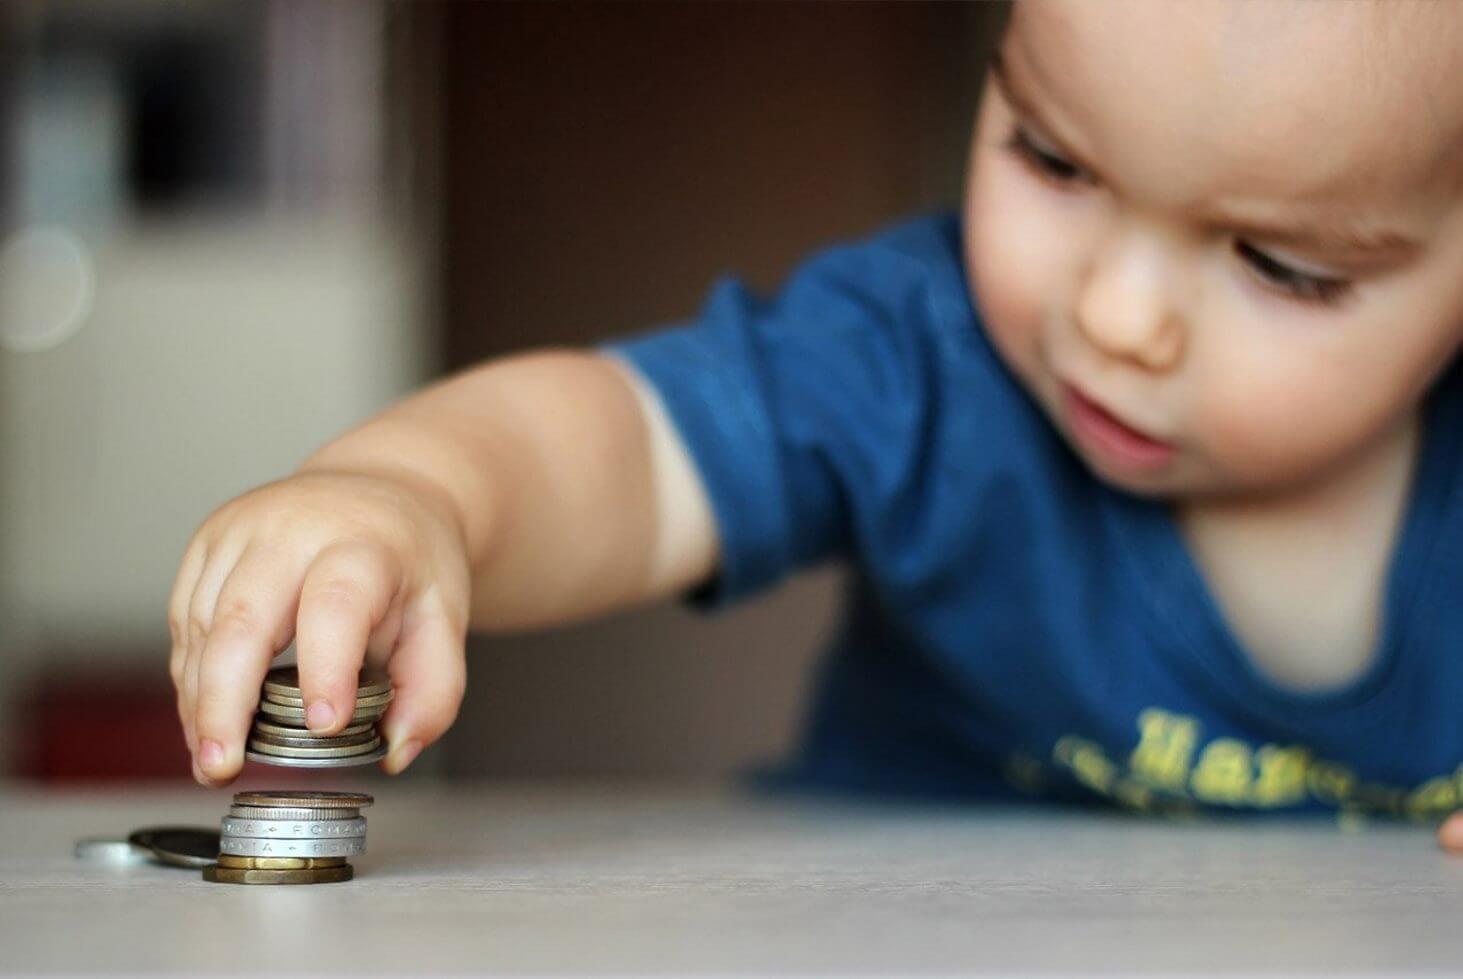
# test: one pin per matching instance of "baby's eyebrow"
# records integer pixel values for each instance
(1026, 108)
(1329, 235)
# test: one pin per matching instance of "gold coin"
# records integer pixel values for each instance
(293, 799)
(236, 875)
(278, 863)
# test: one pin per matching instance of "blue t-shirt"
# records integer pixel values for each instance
(1014, 626)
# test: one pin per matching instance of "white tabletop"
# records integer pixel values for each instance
(585, 879)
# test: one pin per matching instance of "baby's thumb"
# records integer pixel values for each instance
(429, 674)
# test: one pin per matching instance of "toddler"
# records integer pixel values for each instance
(1146, 465)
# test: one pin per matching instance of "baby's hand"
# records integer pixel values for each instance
(352, 567)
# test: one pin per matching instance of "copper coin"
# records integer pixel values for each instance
(237, 875)
(279, 863)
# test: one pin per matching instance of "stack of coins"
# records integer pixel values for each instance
(279, 735)
(282, 837)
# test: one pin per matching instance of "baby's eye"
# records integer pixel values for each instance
(1305, 286)
(1044, 161)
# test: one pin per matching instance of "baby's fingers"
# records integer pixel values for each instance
(346, 594)
(220, 561)
(1451, 833)
(252, 620)
(429, 675)
(183, 585)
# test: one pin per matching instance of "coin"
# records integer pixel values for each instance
(235, 875)
(315, 829)
(264, 727)
(279, 863)
(304, 741)
(285, 751)
(348, 760)
(180, 846)
(293, 799)
(285, 681)
(293, 815)
(378, 700)
(248, 846)
(106, 850)
(298, 713)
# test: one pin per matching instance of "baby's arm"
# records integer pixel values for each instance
(530, 491)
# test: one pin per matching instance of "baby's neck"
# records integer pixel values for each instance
(1301, 575)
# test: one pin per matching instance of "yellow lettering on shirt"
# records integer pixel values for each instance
(1165, 747)
(1160, 774)
(1282, 777)
(1223, 773)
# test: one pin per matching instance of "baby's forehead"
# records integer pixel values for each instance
(1314, 99)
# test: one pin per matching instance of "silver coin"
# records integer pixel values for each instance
(293, 829)
(114, 852)
(180, 846)
(292, 815)
(345, 762)
(298, 713)
(304, 740)
(262, 726)
(285, 681)
(285, 751)
(379, 700)
(246, 846)
(297, 799)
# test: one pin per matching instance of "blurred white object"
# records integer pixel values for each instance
(47, 284)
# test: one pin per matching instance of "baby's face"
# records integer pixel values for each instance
(1222, 243)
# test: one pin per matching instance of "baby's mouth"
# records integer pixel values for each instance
(1109, 437)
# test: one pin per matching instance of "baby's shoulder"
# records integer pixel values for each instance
(926, 246)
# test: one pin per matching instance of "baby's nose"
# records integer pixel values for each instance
(1124, 308)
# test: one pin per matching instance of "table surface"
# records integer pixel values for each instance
(673, 880)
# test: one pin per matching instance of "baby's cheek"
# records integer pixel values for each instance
(1265, 429)
(1006, 275)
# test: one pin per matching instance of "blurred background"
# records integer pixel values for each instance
(229, 230)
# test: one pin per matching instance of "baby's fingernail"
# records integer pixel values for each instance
(210, 754)
(319, 716)
(404, 756)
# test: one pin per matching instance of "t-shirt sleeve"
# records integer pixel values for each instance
(804, 411)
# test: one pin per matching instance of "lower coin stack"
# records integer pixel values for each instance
(290, 838)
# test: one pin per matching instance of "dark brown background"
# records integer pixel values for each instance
(602, 164)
